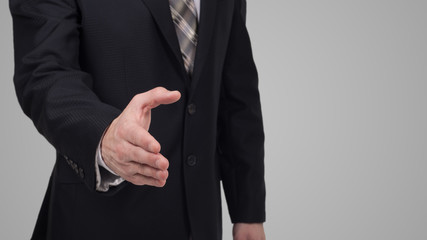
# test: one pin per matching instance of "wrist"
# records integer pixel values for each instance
(100, 158)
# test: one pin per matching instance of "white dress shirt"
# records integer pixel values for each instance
(105, 177)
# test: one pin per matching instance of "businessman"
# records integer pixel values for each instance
(150, 104)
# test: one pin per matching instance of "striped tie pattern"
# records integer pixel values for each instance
(184, 16)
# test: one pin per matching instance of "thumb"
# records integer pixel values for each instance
(144, 102)
(157, 96)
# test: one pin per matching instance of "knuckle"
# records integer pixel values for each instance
(128, 170)
(149, 159)
(149, 103)
(136, 98)
(159, 90)
(142, 170)
(136, 155)
(153, 93)
(143, 137)
(144, 141)
(133, 170)
(149, 172)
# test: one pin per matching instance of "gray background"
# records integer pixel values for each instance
(344, 97)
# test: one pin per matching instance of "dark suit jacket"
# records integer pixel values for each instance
(79, 63)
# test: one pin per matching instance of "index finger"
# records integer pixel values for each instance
(142, 138)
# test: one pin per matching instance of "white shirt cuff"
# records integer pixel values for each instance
(105, 177)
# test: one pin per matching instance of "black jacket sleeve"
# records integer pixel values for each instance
(241, 134)
(51, 88)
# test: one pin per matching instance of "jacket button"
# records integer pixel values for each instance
(191, 160)
(191, 109)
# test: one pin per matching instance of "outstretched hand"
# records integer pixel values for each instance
(129, 149)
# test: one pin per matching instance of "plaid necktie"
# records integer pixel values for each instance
(184, 16)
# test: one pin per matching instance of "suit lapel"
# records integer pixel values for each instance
(206, 26)
(161, 13)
